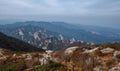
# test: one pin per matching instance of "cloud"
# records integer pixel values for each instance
(60, 7)
(93, 11)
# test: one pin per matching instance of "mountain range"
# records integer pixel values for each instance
(54, 35)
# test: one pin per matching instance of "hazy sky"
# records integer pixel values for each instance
(88, 12)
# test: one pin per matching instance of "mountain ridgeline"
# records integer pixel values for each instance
(54, 35)
(14, 44)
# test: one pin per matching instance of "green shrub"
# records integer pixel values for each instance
(51, 66)
(11, 66)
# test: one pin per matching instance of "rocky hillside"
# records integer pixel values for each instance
(30, 61)
(102, 57)
(14, 44)
(37, 36)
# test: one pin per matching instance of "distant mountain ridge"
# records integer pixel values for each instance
(48, 34)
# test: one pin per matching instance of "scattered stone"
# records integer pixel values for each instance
(116, 53)
(70, 50)
(90, 51)
(107, 50)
